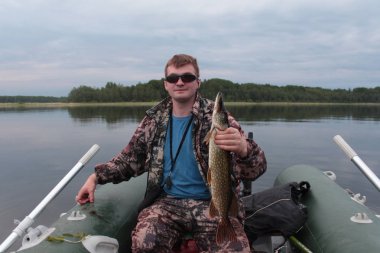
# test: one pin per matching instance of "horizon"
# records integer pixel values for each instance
(99, 87)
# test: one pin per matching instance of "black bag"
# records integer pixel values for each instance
(276, 210)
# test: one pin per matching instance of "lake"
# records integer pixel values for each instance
(38, 146)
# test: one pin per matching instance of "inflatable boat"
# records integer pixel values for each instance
(338, 220)
(102, 226)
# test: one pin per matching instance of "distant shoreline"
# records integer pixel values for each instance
(65, 105)
(147, 104)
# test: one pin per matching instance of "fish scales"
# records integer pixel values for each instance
(223, 200)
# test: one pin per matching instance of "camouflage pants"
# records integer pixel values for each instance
(162, 224)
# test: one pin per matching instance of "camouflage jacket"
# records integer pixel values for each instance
(145, 151)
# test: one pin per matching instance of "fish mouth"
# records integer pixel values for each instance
(219, 104)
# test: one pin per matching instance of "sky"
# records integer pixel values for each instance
(48, 47)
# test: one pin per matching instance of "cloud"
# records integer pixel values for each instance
(49, 47)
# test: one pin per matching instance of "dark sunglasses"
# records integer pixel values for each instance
(186, 78)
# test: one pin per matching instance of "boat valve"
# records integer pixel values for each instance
(330, 174)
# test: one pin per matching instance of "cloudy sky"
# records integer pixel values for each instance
(47, 47)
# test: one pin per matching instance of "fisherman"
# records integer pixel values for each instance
(170, 145)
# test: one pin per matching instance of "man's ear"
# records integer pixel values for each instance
(165, 84)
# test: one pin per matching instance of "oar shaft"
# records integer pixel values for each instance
(367, 171)
(55, 191)
(299, 245)
(28, 220)
(357, 161)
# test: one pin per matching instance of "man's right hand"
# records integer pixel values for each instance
(86, 193)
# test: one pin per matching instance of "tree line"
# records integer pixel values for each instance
(31, 99)
(246, 92)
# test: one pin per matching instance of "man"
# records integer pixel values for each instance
(169, 145)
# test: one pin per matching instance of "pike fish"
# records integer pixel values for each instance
(223, 200)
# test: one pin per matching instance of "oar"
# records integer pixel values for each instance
(28, 220)
(299, 245)
(357, 161)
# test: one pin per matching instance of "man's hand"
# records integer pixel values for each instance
(86, 193)
(232, 140)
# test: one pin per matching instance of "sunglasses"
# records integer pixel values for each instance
(186, 78)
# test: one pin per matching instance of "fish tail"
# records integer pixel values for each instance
(225, 231)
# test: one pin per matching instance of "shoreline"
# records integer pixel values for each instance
(134, 104)
(66, 105)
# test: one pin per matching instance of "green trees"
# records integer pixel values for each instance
(112, 92)
(83, 94)
(246, 92)
(31, 99)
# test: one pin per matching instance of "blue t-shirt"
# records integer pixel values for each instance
(187, 181)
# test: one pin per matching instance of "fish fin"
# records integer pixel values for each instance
(210, 134)
(234, 207)
(212, 210)
(225, 231)
(209, 176)
(208, 137)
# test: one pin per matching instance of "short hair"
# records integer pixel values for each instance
(180, 60)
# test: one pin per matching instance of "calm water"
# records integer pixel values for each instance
(39, 146)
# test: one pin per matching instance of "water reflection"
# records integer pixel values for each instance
(109, 114)
(305, 112)
(21, 109)
(243, 113)
(257, 112)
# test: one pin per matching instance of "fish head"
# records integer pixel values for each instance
(219, 115)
